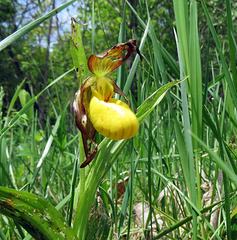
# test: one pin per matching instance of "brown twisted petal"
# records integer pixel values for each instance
(83, 123)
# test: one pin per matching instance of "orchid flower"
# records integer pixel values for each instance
(94, 105)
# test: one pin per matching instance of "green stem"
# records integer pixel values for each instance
(199, 204)
(199, 197)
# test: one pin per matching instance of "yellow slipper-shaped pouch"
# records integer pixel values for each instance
(113, 119)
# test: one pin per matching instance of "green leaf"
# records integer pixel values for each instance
(136, 61)
(24, 97)
(14, 98)
(35, 214)
(24, 30)
(45, 152)
(151, 102)
(78, 52)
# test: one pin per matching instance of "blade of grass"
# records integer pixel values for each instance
(153, 100)
(72, 191)
(24, 30)
(45, 152)
(185, 146)
(195, 81)
(122, 39)
(3, 237)
(149, 157)
(182, 24)
(14, 98)
(132, 173)
(126, 198)
(231, 42)
(93, 27)
(135, 62)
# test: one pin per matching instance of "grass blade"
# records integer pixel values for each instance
(151, 102)
(126, 199)
(231, 42)
(45, 152)
(24, 30)
(135, 63)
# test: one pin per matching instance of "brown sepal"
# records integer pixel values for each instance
(83, 123)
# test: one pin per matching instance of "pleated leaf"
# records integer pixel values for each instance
(35, 214)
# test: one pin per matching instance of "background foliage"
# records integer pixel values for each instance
(39, 153)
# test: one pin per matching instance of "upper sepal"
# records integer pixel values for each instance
(111, 59)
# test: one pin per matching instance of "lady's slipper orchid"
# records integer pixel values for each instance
(94, 106)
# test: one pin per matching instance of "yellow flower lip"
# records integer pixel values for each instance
(113, 119)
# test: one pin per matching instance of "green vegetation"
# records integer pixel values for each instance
(176, 179)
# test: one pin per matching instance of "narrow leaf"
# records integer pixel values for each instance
(151, 102)
(24, 30)
(78, 52)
